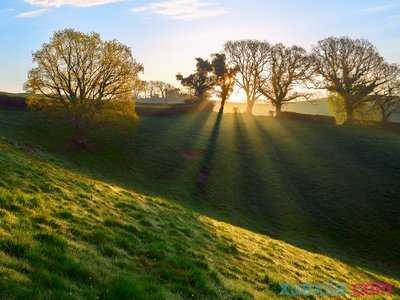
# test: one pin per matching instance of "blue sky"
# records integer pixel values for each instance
(166, 35)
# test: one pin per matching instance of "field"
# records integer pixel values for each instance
(314, 107)
(195, 206)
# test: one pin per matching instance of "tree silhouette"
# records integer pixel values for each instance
(201, 82)
(387, 98)
(287, 69)
(224, 78)
(250, 57)
(163, 88)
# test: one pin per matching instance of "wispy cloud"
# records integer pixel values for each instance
(32, 13)
(7, 10)
(380, 8)
(77, 3)
(46, 5)
(183, 9)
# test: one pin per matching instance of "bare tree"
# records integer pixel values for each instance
(139, 88)
(287, 70)
(352, 68)
(224, 78)
(387, 98)
(250, 57)
(163, 88)
(83, 73)
(150, 89)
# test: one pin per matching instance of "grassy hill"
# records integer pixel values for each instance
(194, 207)
(23, 95)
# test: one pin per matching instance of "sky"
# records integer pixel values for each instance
(166, 35)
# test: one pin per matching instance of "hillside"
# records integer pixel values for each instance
(126, 220)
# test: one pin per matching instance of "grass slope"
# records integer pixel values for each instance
(67, 236)
(107, 224)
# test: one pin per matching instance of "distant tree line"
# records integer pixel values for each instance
(155, 89)
(351, 70)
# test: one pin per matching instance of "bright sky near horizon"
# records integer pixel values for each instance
(166, 35)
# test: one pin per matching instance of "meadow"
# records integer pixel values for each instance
(195, 206)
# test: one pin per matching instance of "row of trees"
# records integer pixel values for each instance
(351, 69)
(83, 73)
(152, 89)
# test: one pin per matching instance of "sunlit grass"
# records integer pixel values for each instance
(65, 235)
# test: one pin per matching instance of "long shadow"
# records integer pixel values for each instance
(281, 200)
(265, 202)
(206, 165)
(175, 135)
(146, 159)
(353, 226)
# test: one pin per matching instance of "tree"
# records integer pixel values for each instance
(250, 57)
(365, 112)
(387, 99)
(150, 89)
(139, 88)
(200, 82)
(287, 69)
(163, 88)
(83, 73)
(352, 68)
(224, 78)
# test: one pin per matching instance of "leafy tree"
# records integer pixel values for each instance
(200, 82)
(352, 68)
(82, 73)
(287, 70)
(224, 78)
(250, 57)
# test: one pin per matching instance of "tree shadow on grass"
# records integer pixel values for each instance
(206, 165)
(337, 199)
(270, 189)
(268, 198)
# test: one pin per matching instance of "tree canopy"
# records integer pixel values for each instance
(287, 69)
(352, 68)
(83, 72)
(250, 58)
(200, 82)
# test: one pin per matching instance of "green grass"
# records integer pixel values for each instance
(284, 201)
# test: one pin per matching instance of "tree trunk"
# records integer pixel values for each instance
(385, 118)
(349, 115)
(221, 109)
(250, 106)
(278, 110)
